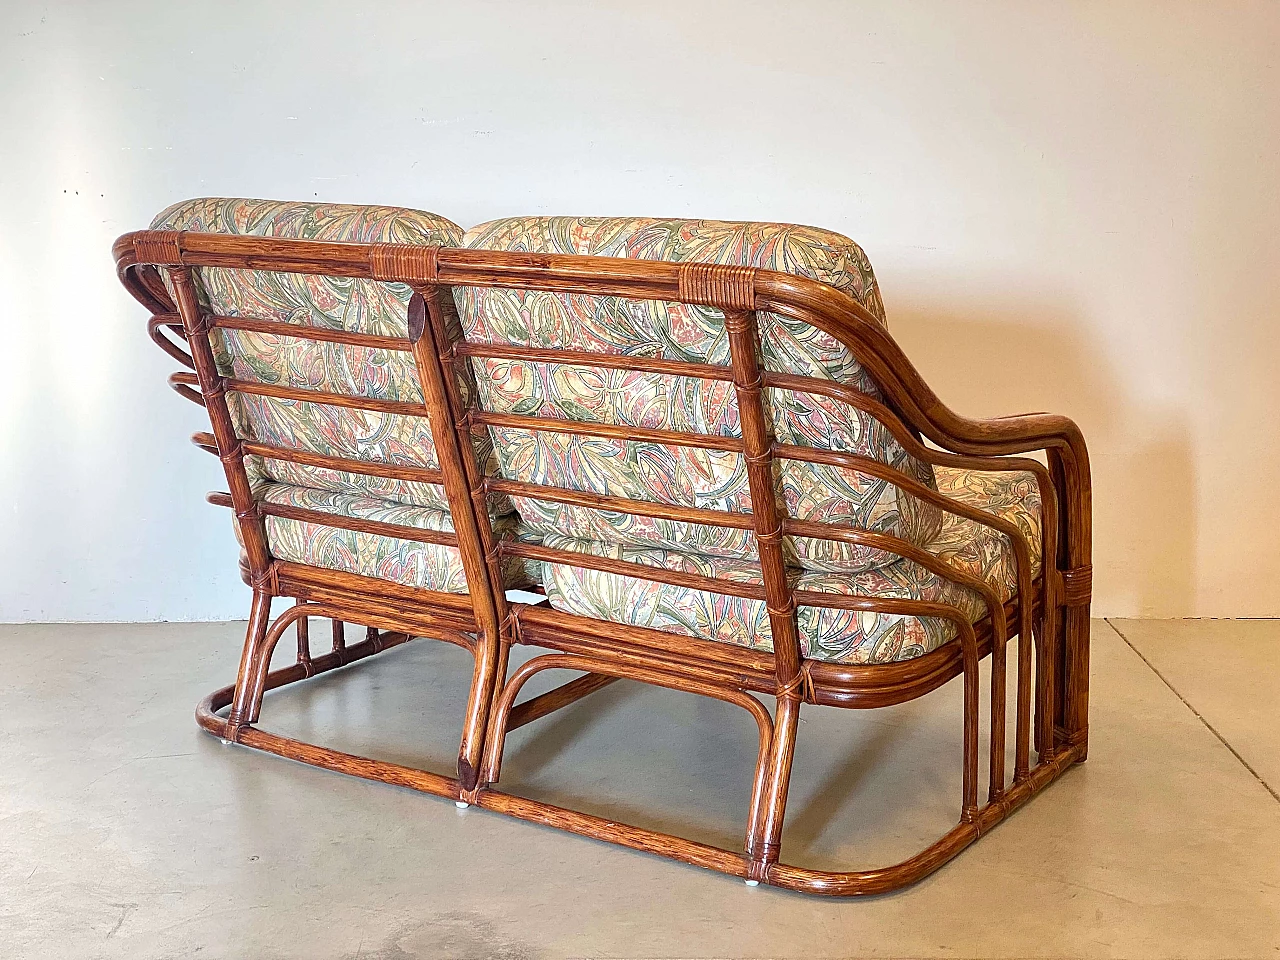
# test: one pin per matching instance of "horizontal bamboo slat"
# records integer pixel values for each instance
(356, 524)
(608, 431)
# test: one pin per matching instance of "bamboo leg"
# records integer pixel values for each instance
(1052, 679)
(999, 694)
(1046, 660)
(1074, 681)
(969, 806)
(241, 705)
(1049, 636)
(339, 637)
(471, 748)
(764, 838)
(557, 699)
(1023, 728)
(258, 687)
(304, 644)
(500, 675)
(254, 684)
(499, 721)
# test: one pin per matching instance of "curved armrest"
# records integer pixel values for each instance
(140, 279)
(910, 397)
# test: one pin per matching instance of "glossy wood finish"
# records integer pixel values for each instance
(1049, 613)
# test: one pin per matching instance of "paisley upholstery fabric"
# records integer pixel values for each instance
(984, 554)
(627, 467)
(826, 634)
(408, 562)
(362, 306)
(672, 474)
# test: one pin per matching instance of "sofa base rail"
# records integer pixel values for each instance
(973, 824)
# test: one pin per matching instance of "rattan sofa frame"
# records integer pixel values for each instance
(1050, 612)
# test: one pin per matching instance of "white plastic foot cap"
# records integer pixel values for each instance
(461, 804)
(753, 883)
(226, 743)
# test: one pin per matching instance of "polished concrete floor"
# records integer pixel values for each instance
(126, 832)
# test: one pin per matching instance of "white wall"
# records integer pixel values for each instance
(1070, 206)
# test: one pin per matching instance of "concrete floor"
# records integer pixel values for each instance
(126, 832)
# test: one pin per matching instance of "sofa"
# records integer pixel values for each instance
(694, 442)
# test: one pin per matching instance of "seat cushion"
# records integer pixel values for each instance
(410, 563)
(361, 306)
(838, 636)
(671, 474)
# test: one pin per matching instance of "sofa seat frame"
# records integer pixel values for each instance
(1049, 615)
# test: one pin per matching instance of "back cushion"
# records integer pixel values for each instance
(682, 475)
(362, 306)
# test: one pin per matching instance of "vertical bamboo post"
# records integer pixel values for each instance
(243, 709)
(1049, 628)
(253, 532)
(459, 409)
(757, 442)
(304, 641)
(339, 638)
(212, 385)
(999, 697)
(1070, 471)
(764, 845)
(969, 782)
(444, 434)
(1032, 634)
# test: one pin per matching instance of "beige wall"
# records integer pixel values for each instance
(1071, 207)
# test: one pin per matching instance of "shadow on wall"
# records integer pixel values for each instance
(1025, 357)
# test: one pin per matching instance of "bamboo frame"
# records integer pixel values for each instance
(1049, 612)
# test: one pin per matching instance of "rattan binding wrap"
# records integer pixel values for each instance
(160, 247)
(399, 263)
(718, 285)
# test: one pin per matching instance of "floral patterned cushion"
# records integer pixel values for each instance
(362, 306)
(408, 562)
(683, 475)
(833, 635)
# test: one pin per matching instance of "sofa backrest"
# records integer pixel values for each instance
(681, 475)
(360, 306)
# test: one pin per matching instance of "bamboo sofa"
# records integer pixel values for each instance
(696, 438)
